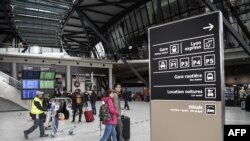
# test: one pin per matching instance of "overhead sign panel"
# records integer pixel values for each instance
(187, 79)
(185, 62)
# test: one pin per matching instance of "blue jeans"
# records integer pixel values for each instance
(109, 129)
(93, 107)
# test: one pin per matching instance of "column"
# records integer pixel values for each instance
(110, 78)
(68, 78)
(14, 70)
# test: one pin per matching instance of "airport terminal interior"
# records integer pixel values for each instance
(63, 47)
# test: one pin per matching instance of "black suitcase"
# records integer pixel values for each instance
(247, 103)
(66, 114)
(126, 127)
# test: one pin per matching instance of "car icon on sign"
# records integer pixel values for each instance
(210, 93)
(163, 65)
(210, 76)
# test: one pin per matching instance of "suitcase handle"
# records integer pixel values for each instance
(124, 112)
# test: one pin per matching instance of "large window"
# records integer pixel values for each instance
(100, 51)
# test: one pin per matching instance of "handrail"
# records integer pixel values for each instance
(10, 80)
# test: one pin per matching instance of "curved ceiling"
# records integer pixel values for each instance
(38, 21)
(77, 35)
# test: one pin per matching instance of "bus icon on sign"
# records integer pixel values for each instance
(210, 76)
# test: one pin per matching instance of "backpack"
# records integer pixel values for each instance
(104, 113)
(78, 99)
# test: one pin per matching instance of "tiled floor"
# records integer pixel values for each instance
(12, 125)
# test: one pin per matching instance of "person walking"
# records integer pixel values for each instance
(47, 105)
(37, 113)
(242, 95)
(126, 96)
(86, 98)
(93, 98)
(77, 104)
(110, 125)
(117, 93)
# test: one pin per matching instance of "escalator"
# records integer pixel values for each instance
(10, 94)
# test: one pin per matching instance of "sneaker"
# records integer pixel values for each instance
(73, 121)
(79, 121)
(44, 135)
(25, 135)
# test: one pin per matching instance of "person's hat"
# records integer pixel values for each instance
(38, 92)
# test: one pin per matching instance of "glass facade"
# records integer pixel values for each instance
(131, 29)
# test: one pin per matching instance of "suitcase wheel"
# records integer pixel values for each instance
(71, 132)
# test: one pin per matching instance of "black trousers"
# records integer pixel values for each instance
(126, 105)
(77, 108)
(37, 122)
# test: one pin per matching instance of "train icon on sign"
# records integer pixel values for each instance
(174, 49)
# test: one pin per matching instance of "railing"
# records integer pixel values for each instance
(10, 80)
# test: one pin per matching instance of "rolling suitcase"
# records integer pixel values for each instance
(126, 127)
(89, 115)
(247, 103)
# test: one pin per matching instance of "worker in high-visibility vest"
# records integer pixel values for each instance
(37, 113)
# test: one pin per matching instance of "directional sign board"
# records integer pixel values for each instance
(187, 78)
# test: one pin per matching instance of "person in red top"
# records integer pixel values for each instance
(110, 125)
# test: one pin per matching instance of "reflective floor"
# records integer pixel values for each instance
(12, 125)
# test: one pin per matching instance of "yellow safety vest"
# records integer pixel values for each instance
(34, 109)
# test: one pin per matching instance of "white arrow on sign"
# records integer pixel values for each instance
(210, 27)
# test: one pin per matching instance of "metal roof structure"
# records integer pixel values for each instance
(77, 34)
(38, 21)
(120, 26)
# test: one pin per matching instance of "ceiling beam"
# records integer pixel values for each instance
(73, 25)
(73, 33)
(82, 14)
(117, 5)
(73, 40)
(98, 33)
(77, 18)
(137, 4)
(228, 25)
(80, 37)
(85, 28)
(99, 12)
(66, 19)
(234, 12)
(107, 3)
